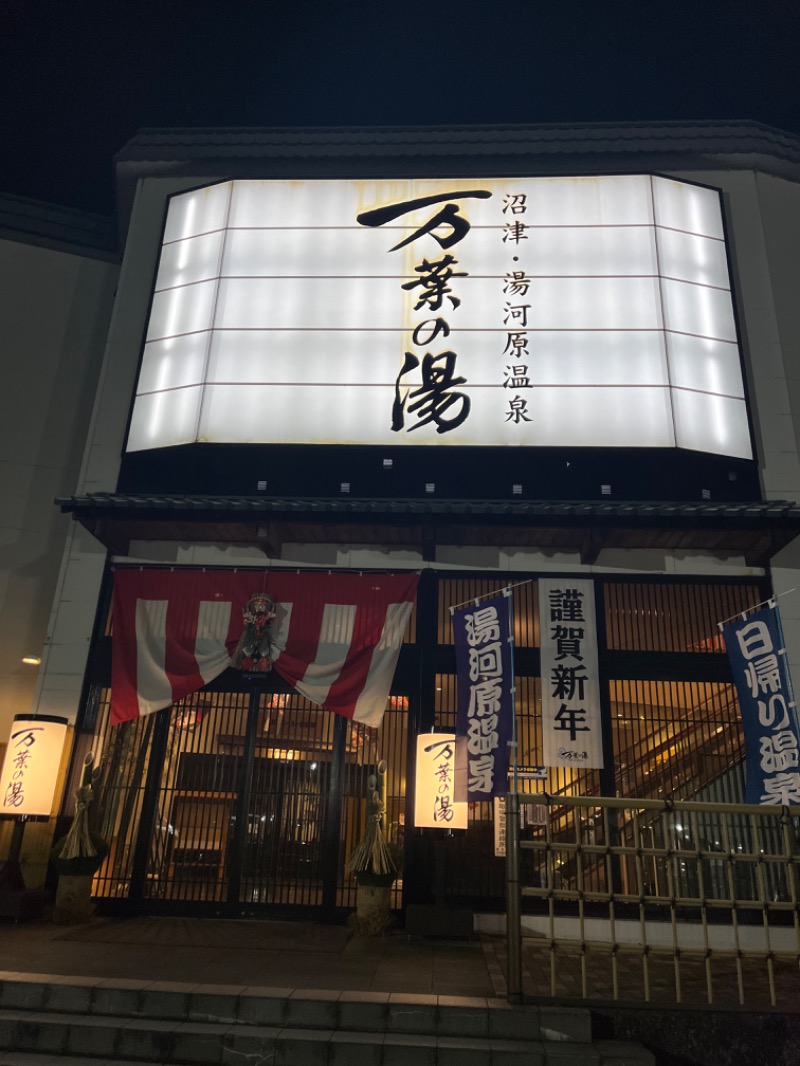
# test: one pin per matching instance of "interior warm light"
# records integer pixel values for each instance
(282, 754)
(32, 660)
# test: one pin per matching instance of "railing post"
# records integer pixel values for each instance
(513, 920)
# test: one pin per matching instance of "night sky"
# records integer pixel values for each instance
(79, 77)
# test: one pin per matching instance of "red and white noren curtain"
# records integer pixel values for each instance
(336, 638)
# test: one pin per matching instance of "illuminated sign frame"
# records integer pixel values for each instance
(529, 312)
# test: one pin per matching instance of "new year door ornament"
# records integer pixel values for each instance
(253, 653)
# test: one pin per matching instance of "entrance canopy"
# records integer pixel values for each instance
(755, 530)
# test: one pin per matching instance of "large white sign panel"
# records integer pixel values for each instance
(571, 724)
(587, 311)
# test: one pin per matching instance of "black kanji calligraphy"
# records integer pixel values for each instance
(517, 378)
(566, 605)
(434, 398)
(434, 282)
(515, 203)
(517, 313)
(516, 283)
(514, 232)
(517, 410)
(568, 640)
(568, 682)
(450, 219)
(571, 720)
(516, 343)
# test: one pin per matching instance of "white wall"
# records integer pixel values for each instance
(83, 561)
(779, 203)
(764, 215)
(508, 559)
(54, 312)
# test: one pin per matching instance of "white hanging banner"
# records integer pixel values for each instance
(571, 725)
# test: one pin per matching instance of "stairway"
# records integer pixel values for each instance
(70, 1020)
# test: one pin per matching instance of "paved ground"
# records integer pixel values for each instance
(223, 957)
(278, 954)
(304, 955)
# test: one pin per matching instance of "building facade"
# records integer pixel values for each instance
(59, 270)
(615, 403)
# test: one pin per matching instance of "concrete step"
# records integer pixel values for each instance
(124, 1021)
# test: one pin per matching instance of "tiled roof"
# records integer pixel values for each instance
(345, 505)
(731, 138)
(61, 227)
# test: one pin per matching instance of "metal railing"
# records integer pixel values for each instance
(654, 901)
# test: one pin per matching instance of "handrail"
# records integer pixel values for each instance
(657, 887)
(665, 805)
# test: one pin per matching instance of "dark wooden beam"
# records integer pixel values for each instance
(269, 540)
(429, 544)
(114, 535)
(761, 549)
(591, 545)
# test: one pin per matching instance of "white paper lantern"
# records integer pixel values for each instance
(32, 761)
(434, 797)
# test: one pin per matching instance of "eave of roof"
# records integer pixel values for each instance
(735, 136)
(57, 227)
(425, 505)
(214, 154)
(755, 530)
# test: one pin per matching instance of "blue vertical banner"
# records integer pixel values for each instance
(485, 709)
(771, 730)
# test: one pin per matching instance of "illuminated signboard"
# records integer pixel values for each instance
(30, 769)
(435, 804)
(549, 312)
